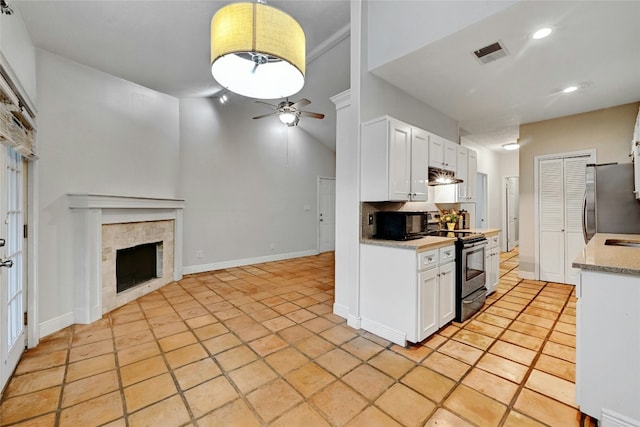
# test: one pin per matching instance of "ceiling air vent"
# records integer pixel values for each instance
(490, 53)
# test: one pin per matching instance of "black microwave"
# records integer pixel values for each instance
(397, 225)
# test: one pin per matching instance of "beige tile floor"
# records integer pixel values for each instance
(258, 345)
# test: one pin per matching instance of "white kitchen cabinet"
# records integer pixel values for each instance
(472, 175)
(492, 263)
(635, 152)
(466, 170)
(404, 295)
(443, 154)
(446, 293)
(394, 159)
(608, 347)
(428, 284)
(462, 172)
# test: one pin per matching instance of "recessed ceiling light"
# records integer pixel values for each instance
(511, 146)
(541, 33)
(570, 89)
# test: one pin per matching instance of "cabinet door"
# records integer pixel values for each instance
(419, 164)
(450, 156)
(493, 268)
(446, 293)
(472, 174)
(436, 151)
(427, 303)
(461, 172)
(636, 167)
(399, 161)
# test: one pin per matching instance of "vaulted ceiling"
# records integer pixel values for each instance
(164, 45)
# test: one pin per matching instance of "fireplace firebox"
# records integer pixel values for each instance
(137, 264)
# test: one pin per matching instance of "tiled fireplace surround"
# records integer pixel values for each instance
(105, 224)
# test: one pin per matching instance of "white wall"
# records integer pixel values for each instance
(379, 98)
(18, 51)
(96, 134)
(246, 184)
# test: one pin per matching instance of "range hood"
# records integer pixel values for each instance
(442, 177)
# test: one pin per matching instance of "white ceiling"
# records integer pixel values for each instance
(164, 45)
(595, 45)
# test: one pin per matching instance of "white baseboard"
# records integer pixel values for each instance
(341, 310)
(384, 332)
(55, 324)
(528, 275)
(192, 269)
(354, 322)
(613, 419)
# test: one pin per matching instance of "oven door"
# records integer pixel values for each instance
(473, 267)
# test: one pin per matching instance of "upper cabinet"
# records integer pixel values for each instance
(394, 161)
(467, 168)
(443, 153)
(635, 152)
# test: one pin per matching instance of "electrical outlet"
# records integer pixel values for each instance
(370, 219)
(199, 254)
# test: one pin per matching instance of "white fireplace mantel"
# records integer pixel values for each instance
(90, 212)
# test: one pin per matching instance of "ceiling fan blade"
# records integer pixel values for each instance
(266, 103)
(301, 103)
(264, 115)
(310, 114)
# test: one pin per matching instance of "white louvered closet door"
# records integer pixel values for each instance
(561, 188)
(551, 217)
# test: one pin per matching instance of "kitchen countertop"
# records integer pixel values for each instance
(426, 243)
(597, 256)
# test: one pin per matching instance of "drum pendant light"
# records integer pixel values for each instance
(257, 51)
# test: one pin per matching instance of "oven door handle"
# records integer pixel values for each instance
(484, 242)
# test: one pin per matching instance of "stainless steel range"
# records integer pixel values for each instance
(471, 292)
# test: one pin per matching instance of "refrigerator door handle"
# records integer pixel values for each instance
(584, 218)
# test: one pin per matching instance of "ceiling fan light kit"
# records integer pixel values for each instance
(257, 51)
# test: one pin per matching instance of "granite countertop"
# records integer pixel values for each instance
(597, 256)
(426, 243)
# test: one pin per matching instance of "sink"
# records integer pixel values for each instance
(619, 242)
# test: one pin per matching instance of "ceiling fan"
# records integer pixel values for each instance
(289, 113)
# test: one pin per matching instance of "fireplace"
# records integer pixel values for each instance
(137, 264)
(107, 225)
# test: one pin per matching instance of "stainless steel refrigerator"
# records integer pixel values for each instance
(610, 205)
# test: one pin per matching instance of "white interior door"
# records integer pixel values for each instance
(326, 214)
(12, 288)
(513, 224)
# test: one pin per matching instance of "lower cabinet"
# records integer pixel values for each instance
(492, 263)
(608, 347)
(406, 295)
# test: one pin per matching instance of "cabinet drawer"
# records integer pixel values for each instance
(493, 241)
(428, 259)
(447, 254)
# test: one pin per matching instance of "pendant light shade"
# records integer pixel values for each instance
(257, 51)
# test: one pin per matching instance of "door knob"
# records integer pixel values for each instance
(6, 263)
(2, 242)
